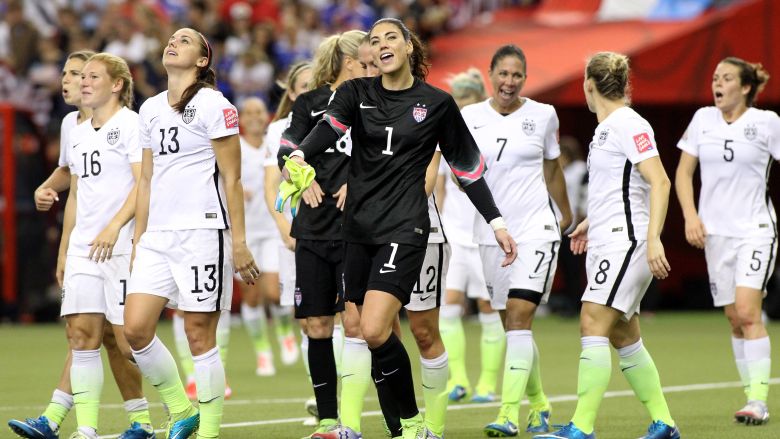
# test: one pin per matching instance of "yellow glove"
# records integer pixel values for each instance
(301, 178)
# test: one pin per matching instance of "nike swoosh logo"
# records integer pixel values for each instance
(595, 289)
(212, 399)
(585, 358)
(319, 385)
(388, 374)
(478, 127)
(535, 276)
(426, 297)
(316, 113)
(378, 381)
(628, 367)
(152, 120)
(77, 144)
(426, 387)
(201, 299)
(80, 393)
(752, 274)
(383, 271)
(347, 375)
(364, 106)
(517, 368)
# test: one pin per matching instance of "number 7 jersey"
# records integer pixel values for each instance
(735, 160)
(186, 189)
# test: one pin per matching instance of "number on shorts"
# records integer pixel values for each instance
(389, 263)
(601, 275)
(756, 265)
(431, 272)
(210, 287)
(541, 259)
(124, 291)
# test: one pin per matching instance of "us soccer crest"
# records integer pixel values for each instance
(298, 296)
(751, 132)
(113, 136)
(603, 137)
(529, 126)
(419, 112)
(188, 115)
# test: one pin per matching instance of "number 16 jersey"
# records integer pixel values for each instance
(186, 190)
(735, 161)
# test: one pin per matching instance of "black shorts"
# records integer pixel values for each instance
(319, 284)
(393, 268)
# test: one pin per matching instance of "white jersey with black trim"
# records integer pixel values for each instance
(273, 137)
(735, 160)
(259, 223)
(515, 147)
(187, 191)
(618, 195)
(436, 236)
(68, 123)
(101, 160)
(458, 214)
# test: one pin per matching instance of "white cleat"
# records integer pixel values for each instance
(289, 348)
(265, 364)
(754, 413)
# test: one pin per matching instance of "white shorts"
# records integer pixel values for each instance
(533, 272)
(286, 276)
(266, 254)
(738, 262)
(91, 287)
(618, 275)
(465, 272)
(190, 268)
(429, 289)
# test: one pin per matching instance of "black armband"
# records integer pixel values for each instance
(482, 199)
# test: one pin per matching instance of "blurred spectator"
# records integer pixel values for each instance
(18, 39)
(127, 42)
(291, 43)
(262, 10)
(240, 35)
(351, 14)
(251, 75)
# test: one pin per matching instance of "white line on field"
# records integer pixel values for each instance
(560, 398)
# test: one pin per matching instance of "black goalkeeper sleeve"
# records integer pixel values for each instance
(480, 196)
(320, 138)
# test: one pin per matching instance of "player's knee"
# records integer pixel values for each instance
(424, 335)
(374, 334)
(747, 317)
(138, 337)
(82, 338)
(109, 340)
(351, 327)
(319, 327)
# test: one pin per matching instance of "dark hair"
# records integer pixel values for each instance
(609, 71)
(752, 74)
(508, 50)
(206, 77)
(418, 60)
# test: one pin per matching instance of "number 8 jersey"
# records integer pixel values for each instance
(186, 191)
(735, 161)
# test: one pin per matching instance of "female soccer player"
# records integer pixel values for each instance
(189, 194)
(465, 276)
(736, 223)
(524, 174)
(126, 375)
(397, 120)
(104, 159)
(627, 201)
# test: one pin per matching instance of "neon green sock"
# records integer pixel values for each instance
(223, 335)
(640, 372)
(256, 325)
(454, 339)
(210, 379)
(759, 364)
(533, 389)
(492, 343)
(59, 407)
(738, 346)
(592, 381)
(434, 374)
(517, 368)
(138, 411)
(355, 380)
(338, 346)
(86, 379)
(182, 347)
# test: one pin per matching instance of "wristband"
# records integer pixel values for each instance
(498, 224)
(297, 153)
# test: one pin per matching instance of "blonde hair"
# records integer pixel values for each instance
(468, 83)
(752, 74)
(330, 56)
(83, 55)
(117, 68)
(609, 71)
(285, 105)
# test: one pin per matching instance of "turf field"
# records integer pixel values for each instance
(692, 351)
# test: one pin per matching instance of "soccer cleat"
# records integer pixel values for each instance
(191, 389)
(502, 426)
(183, 428)
(457, 393)
(228, 390)
(482, 399)
(80, 435)
(328, 429)
(311, 407)
(568, 431)
(754, 413)
(538, 420)
(341, 432)
(137, 431)
(660, 430)
(414, 428)
(265, 364)
(34, 428)
(290, 351)
(431, 435)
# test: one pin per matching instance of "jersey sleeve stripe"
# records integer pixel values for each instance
(475, 175)
(627, 199)
(335, 124)
(219, 198)
(288, 143)
(220, 268)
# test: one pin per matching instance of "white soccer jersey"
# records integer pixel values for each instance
(735, 161)
(259, 224)
(187, 191)
(458, 214)
(515, 147)
(68, 123)
(436, 236)
(618, 195)
(101, 160)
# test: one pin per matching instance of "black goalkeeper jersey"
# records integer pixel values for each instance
(324, 221)
(394, 135)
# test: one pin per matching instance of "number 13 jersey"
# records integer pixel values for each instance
(186, 189)
(735, 161)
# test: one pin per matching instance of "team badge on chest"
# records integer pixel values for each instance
(113, 136)
(188, 115)
(529, 127)
(419, 112)
(603, 137)
(751, 132)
